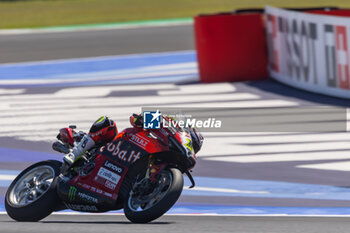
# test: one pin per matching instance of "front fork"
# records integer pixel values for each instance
(153, 170)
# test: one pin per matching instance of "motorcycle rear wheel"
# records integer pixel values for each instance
(144, 208)
(32, 196)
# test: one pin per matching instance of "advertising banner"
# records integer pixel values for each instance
(309, 51)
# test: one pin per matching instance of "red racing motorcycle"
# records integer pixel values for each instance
(140, 171)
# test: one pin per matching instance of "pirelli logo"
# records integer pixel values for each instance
(309, 51)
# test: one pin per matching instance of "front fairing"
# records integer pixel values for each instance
(185, 140)
(152, 141)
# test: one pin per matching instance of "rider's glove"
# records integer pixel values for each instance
(136, 120)
(85, 144)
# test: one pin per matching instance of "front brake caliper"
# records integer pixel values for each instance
(154, 170)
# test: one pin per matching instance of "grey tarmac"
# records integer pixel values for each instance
(77, 44)
(48, 46)
(182, 224)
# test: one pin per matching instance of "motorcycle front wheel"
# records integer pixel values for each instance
(32, 196)
(148, 201)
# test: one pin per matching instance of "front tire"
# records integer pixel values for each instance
(32, 196)
(140, 208)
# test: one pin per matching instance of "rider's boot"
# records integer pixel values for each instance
(84, 145)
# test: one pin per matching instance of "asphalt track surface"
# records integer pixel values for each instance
(181, 224)
(47, 46)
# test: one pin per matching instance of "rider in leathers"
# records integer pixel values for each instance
(104, 130)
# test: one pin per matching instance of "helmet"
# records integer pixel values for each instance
(103, 130)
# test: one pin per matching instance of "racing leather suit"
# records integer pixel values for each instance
(101, 132)
(105, 130)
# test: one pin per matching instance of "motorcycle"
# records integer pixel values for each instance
(140, 171)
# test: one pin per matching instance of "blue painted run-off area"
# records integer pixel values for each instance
(146, 68)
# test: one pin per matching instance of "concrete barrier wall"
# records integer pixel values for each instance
(231, 47)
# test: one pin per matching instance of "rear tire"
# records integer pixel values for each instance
(167, 200)
(32, 196)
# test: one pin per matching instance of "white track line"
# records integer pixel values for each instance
(336, 166)
(291, 157)
(106, 26)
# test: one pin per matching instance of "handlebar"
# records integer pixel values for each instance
(59, 147)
